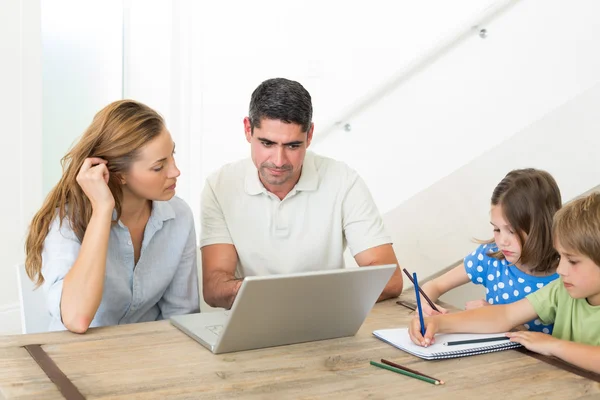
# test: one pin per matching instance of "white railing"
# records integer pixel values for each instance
(475, 26)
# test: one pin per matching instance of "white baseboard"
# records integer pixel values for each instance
(10, 319)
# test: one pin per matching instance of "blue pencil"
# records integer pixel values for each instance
(416, 283)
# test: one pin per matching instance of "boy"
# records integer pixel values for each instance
(571, 302)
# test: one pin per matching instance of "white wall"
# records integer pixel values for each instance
(537, 55)
(21, 116)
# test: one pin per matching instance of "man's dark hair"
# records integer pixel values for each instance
(281, 99)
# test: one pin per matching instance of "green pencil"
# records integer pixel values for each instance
(401, 371)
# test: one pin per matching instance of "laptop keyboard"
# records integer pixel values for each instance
(216, 329)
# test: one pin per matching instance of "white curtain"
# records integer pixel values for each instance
(158, 71)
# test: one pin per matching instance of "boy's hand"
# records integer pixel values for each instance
(414, 331)
(535, 341)
(476, 304)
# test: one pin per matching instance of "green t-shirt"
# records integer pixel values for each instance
(574, 319)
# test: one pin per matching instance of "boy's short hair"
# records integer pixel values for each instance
(577, 226)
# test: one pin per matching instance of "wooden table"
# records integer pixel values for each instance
(156, 361)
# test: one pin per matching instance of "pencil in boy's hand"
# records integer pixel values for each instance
(431, 303)
(393, 364)
(406, 373)
(470, 341)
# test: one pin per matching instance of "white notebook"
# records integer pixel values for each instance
(399, 338)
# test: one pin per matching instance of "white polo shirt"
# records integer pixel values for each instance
(308, 230)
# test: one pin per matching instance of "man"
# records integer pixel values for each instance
(286, 210)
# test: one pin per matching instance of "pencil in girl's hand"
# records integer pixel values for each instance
(419, 309)
(406, 373)
(393, 364)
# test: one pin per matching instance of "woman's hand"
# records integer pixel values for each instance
(93, 179)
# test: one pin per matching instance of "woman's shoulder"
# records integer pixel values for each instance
(61, 226)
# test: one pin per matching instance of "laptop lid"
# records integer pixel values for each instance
(277, 310)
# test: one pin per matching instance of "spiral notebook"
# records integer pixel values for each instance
(399, 338)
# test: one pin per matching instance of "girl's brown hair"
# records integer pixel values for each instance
(577, 226)
(116, 134)
(529, 199)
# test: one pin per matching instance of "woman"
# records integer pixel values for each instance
(111, 244)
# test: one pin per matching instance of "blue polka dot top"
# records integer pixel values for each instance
(504, 283)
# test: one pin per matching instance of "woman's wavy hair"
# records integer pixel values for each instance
(116, 134)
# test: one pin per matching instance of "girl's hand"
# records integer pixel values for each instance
(414, 331)
(476, 304)
(428, 311)
(93, 179)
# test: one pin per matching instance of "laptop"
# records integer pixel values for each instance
(278, 310)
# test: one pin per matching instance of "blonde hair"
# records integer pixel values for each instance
(577, 226)
(529, 199)
(116, 134)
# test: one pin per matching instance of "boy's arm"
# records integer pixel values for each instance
(498, 318)
(581, 355)
(454, 278)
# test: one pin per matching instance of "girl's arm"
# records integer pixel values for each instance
(454, 278)
(499, 318)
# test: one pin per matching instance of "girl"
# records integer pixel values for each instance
(111, 244)
(520, 259)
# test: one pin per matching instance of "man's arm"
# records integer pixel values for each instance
(219, 284)
(381, 255)
(219, 256)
